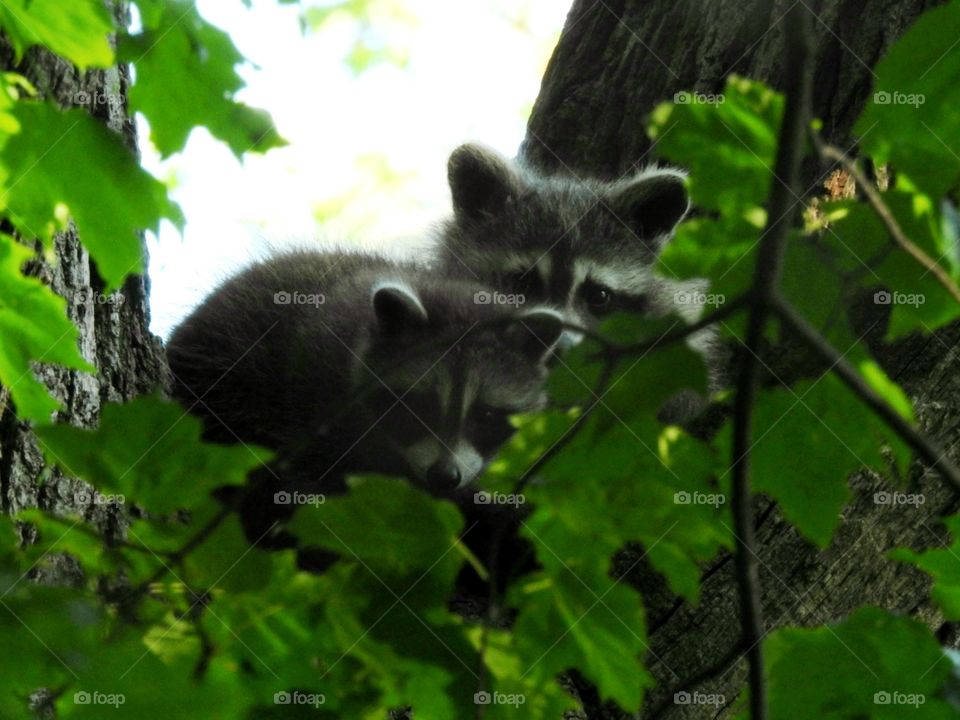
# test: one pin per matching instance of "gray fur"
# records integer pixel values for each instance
(369, 365)
(568, 242)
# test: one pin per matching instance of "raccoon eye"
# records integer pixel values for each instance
(489, 414)
(492, 425)
(598, 298)
(523, 281)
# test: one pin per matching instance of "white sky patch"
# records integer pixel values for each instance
(368, 153)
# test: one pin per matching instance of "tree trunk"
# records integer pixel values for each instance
(114, 336)
(616, 60)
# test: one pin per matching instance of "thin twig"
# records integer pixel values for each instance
(178, 555)
(766, 278)
(609, 354)
(675, 336)
(886, 216)
(920, 443)
(207, 648)
(598, 392)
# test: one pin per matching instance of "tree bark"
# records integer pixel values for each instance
(114, 336)
(618, 59)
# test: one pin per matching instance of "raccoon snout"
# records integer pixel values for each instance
(444, 475)
(444, 466)
(568, 339)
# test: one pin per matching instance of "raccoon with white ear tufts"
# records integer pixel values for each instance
(346, 363)
(587, 247)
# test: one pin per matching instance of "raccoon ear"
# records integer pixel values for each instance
(652, 204)
(536, 333)
(398, 308)
(482, 182)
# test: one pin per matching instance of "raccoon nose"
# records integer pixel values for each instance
(444, 475)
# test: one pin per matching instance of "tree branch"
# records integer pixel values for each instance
(765, 282)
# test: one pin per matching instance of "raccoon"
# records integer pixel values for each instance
(584, 247)
(418, 376)
(348, 362)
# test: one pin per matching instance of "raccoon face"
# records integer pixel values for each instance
(584, 247)
(448, 383)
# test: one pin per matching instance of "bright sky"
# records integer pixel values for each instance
(367, 153)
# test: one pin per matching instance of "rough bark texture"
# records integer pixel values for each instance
(616, 60)
(114, 336)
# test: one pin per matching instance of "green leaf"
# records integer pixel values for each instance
(273, 632)
(69, 535)
(383, 523)
(77, 30)
(881, 383)
(629, 483)
(861, 245)
(513, 691)
(639, 383)
(147, 681)
(812, 286)
(46, 170)
(587, 621)
(385, 602)
(943, 565)
(412, 649)
(48, 635)
(33, 328)
(150, 451)
(536, 434)
(186, 78)
(913, 117)
(722, 250)
(729, 148)
(226, 560)
(837, 435)
(874, 666)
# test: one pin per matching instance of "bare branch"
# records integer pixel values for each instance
(766, 279)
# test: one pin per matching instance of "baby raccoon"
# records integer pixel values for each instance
(348, 362)
(587, 247)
